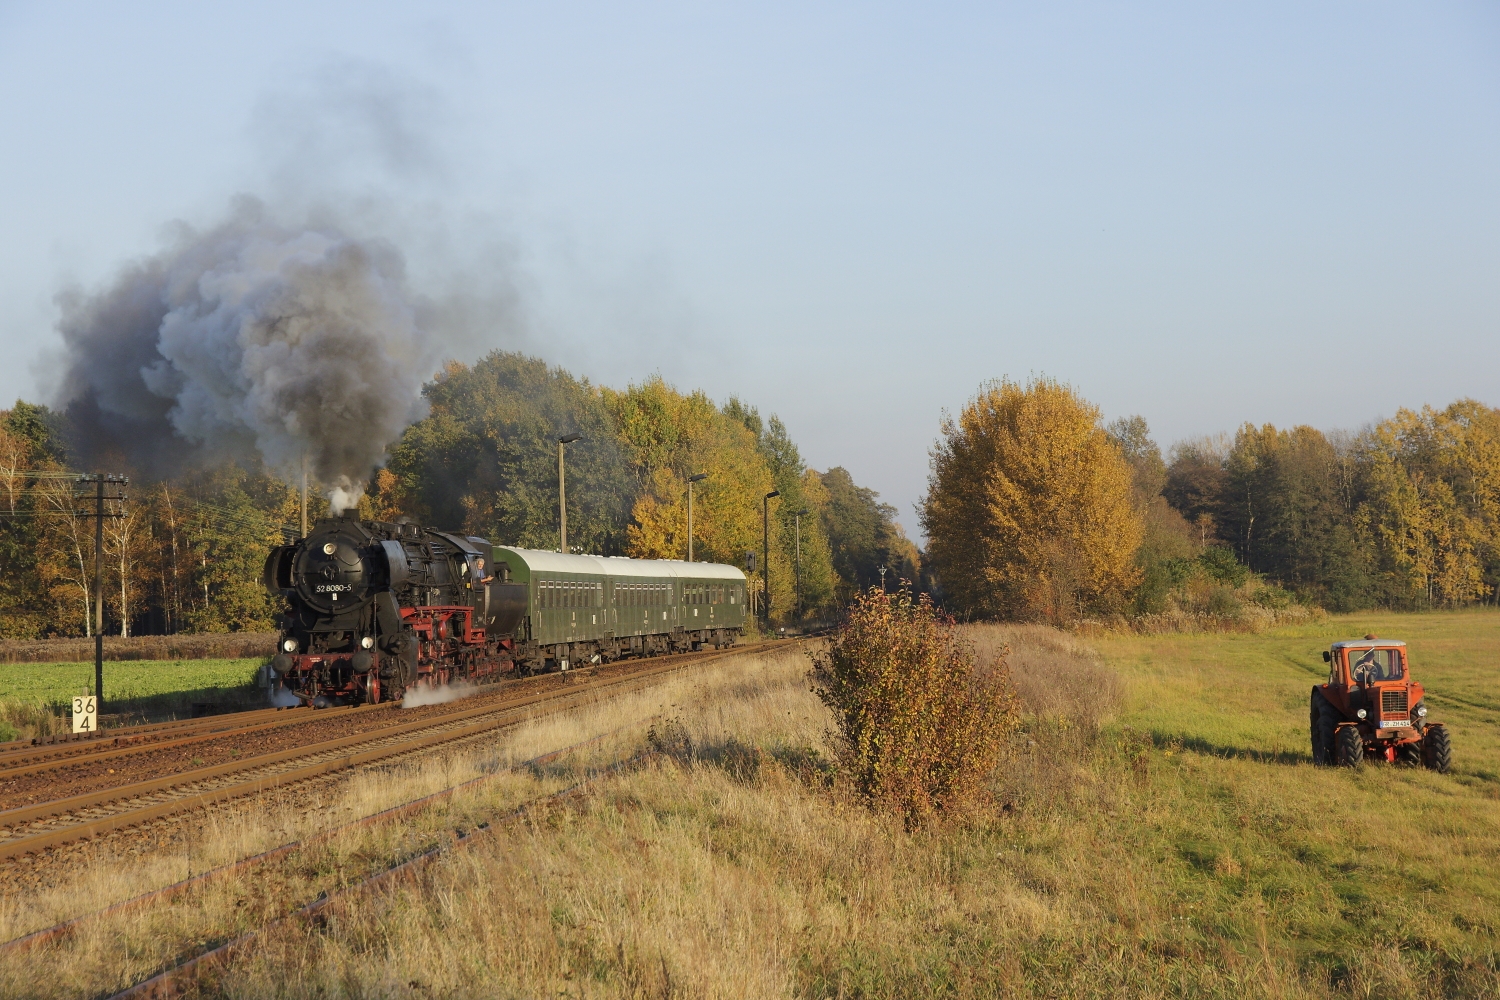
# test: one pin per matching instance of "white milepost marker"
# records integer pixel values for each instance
(86, 714)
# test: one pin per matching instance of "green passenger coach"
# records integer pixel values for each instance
(593, 609)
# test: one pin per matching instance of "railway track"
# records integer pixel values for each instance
(38, 827)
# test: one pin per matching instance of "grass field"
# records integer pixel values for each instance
(33, 696)
(1159, 830)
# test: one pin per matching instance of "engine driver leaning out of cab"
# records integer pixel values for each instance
(477, 575)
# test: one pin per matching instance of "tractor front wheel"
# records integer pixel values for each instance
(1349, 747)
(1323, 725)
(1437, 750)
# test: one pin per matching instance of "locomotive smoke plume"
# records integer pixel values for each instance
(300, 344)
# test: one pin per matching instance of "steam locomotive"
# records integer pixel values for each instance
(372, 608)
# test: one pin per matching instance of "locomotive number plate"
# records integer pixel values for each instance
(333, 588)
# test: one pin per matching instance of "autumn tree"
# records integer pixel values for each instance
(865, 536)
(668, 436)
(486, 457)
(801, 490)
(1281, 509)
(1430, 509)
(1028, 509)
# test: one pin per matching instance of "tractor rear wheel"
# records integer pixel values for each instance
(1437, 750)
(1322, 726)
(1350, 747)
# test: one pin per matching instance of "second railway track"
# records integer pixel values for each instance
(40, 826)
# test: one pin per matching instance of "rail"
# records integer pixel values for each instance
(51, 824)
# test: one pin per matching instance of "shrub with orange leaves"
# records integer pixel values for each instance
(920, 725)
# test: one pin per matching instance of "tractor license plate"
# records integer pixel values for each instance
(1394, 723)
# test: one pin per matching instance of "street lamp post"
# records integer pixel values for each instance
(765, 543)
(797, 518)
(697, 478)
(562, 492)
(882, 579)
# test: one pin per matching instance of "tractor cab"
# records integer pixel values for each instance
(1371, 707)
(1368, 681)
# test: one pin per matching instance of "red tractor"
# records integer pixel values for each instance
(1372, 709)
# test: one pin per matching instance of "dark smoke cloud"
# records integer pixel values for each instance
(290, 343)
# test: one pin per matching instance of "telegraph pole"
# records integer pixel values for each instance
(99, 479)
(99, 591)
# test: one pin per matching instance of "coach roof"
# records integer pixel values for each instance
(542, 561)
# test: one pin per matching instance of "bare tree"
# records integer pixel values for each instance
(172, 596)
(120, 543)
(71, 538)
(15, 455)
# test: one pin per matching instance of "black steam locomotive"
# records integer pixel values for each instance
(372, 609)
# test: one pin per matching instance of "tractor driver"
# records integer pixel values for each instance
(1372, 667)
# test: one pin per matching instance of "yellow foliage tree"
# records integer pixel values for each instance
(1029, 510)
(1432, 507)
(670, 436)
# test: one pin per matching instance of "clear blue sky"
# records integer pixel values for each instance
(850, 215)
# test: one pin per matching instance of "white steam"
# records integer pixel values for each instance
(299, 342)
(418, 696)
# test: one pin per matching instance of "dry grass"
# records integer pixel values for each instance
(1056, 674)
(1112, 863)
(1246, 618)
(110, 954)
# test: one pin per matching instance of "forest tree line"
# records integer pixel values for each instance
(1038, 510)
(185, 555)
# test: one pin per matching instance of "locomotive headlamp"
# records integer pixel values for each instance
(329, 548)
(1361, 713)
(290, 645)
(1421, 709)
(368, 642)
